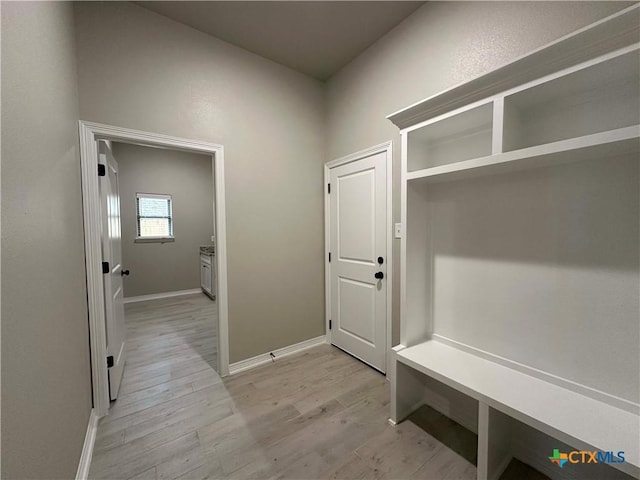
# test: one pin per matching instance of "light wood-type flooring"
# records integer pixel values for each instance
(318, 414)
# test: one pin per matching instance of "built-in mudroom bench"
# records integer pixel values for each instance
(520, 253)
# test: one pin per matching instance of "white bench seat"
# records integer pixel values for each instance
(571, 417)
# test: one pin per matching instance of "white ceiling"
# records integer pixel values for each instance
(313, 37)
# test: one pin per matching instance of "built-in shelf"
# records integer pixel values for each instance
(602, 96)
(530, 273)
(598, 145)
(569, 416)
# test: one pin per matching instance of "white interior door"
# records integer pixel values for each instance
(358, 246)
(112, 255)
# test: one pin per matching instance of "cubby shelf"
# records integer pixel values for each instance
(604, 144)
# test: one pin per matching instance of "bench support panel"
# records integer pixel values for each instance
(407, 391)
(494, 433)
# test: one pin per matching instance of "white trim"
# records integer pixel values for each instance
(367, 152)
(404, 141)
(162, 196)
(390, 238)
(497, 134)
(93, 258)
(359, 155)
(220, 226)
(89, 134)
(264, 358)
(156, 296)
(87, 448)
(154, 239)
(327, 264)
(449, 114)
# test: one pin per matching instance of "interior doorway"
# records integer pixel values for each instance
(160, 218)
(90, 135)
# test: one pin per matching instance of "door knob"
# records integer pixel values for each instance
(124, 272)
(379, 275)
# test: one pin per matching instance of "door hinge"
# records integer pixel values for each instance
(102, 170)
(328, 188)
(105, 267)
(329, 256)
(329, 324)
(110, 361)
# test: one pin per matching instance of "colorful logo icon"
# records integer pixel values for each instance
(559, 458)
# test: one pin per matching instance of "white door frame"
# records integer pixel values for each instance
(89, 134)
(386, 147)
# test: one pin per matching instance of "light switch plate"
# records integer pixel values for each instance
(398, 230)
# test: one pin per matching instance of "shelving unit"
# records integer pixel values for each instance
(519, 261)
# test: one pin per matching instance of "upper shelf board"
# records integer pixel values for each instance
(612, 33)
(598, 145)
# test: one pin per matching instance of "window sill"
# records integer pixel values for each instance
(154, 239)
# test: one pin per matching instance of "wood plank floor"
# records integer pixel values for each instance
(319, 414)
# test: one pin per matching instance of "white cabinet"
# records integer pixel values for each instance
(207, 275)
(519, 263)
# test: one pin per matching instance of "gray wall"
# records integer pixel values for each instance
(188, 178)
(46, 384)
(440, 45)
(157, 75)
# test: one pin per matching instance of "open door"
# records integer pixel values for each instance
(112, 267)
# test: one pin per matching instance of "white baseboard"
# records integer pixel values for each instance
(156, 296)
(87, 448)
(258, 360)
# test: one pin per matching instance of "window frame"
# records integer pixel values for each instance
(160, 238)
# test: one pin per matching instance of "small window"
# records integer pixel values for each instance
(154, 218)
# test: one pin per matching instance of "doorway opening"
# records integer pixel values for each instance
(190, 300)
